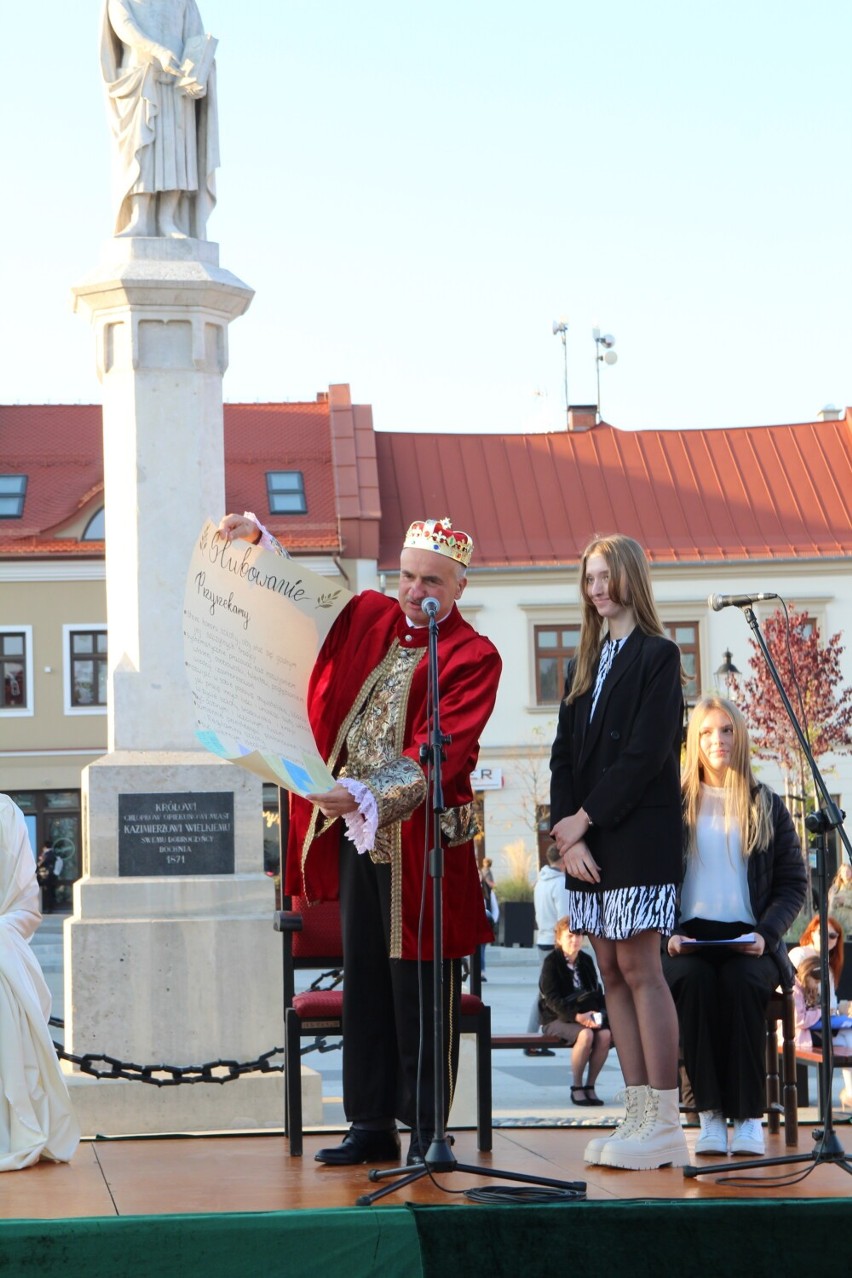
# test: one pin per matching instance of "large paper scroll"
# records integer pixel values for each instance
(253, 625)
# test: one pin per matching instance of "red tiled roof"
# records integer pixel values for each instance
(763, 492)
(263, 437)
(59, 448)
(772, 492)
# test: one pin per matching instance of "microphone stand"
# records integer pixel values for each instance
(828, 1148)
(439, 1157)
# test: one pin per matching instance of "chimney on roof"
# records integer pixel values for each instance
(322, 397)
(829, 414)
(582, 417)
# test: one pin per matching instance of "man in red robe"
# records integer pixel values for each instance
(367, 704)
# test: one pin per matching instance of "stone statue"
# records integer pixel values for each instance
(158, 67)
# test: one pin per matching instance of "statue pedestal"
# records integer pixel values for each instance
(170, 955)
(463, 1112)
(178, 968)
(114, 1107)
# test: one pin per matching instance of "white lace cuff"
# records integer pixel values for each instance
(361, 826)
(267, 541)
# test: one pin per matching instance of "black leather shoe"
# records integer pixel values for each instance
(539, 1051)
(359, 1146)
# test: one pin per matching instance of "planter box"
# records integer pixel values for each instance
(517, 923)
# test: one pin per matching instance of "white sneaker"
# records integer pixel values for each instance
(714, 1133)
(748, 1136)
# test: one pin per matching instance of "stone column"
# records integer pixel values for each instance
(160, 309)
(170, 952)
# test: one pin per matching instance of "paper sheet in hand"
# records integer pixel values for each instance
(253, 625)
(746, 939)
(837, 1023)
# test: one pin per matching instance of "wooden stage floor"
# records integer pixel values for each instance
(254, 1173)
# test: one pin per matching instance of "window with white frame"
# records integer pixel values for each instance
(810, 624)
(554, 648)
(555, 645)
(16, 668)
(685, 635)
(85, 669)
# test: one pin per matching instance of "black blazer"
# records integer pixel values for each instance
(623, 768)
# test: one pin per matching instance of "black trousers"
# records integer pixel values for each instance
(388, 1022)
(721, 999)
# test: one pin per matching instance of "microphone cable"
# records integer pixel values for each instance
(508, 1195)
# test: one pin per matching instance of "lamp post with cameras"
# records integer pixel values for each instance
(602, 356)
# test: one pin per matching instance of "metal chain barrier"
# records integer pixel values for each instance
(101, 1066)
(212, 1072)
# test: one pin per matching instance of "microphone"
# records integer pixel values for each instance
(717, 602)
(430, 606)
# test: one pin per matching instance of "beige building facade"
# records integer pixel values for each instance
(355, 490)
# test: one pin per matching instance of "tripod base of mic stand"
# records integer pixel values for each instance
(440, 1159)
(829, 1150)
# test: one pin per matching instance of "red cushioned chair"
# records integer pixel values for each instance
(310, 937)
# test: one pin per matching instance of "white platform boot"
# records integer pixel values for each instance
(657, 1142)
(634, 1100)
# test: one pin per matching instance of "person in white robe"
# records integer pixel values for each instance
(36, 1116)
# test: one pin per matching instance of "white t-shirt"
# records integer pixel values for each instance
(715, 885)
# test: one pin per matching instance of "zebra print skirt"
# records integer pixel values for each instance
(623, 912)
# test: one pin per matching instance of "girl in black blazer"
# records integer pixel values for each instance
(615, 805)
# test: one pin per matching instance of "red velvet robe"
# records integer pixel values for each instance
(469, 671)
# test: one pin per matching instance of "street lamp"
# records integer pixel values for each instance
(727, 672)
(607, 341)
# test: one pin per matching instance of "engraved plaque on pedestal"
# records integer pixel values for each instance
(160, 834)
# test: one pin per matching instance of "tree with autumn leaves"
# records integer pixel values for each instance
(824, 711)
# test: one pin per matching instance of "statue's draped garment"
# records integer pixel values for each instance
(164, 139)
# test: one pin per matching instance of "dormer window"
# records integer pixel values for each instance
(286, 491)
(13, 490)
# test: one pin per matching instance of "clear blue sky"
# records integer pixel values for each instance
(416, 192)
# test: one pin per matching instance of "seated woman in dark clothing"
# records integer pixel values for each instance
(744, 878)
(571, 1002)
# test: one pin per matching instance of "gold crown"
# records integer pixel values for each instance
(440, 536)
